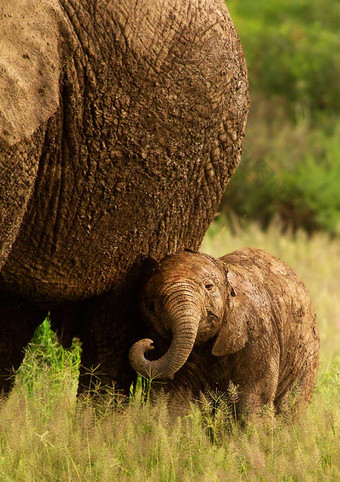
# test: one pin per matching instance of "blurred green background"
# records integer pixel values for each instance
(290, 168)
(290, 172)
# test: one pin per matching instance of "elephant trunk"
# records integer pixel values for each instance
(182, 309)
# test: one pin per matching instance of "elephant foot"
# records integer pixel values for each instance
(18, 321)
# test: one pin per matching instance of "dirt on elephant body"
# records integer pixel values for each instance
(145, 109)
(121, 124)
(256, 330)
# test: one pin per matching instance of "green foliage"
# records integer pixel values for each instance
(296, 175)
(46, 357)
(291, 158)
(292, 50)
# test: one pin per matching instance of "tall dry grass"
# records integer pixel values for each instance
(46, 435)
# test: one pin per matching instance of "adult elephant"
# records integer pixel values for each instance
(121, 123)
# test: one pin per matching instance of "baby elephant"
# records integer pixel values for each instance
(245, 318)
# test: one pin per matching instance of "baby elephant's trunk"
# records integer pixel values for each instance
(181, 308)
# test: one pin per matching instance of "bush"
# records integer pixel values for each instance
(295, 176)
(292, 50)
(291, 157)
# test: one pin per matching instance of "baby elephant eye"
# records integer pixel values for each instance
(208, 285)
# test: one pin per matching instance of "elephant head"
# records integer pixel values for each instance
(188, 296)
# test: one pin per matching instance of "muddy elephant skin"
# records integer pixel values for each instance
(121, 123)
(245, 318)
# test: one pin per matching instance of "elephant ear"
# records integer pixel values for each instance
(29, 66)
(233, 334)
(243, 319)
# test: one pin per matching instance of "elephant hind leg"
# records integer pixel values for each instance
(18, 321)
(299, 392)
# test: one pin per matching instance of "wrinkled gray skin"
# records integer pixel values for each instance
(245, 318)
(121, 124)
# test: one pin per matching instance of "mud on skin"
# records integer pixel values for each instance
(121, 124)
(245, 318)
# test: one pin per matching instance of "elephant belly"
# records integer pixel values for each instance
(83, 246)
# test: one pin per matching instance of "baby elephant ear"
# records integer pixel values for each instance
(233, 334)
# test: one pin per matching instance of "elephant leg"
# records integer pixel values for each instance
(18, 321)
(67, 320)
(256, 380)
(294, 392)
(253, 397)
(110, 328)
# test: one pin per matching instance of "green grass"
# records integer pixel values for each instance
(46, 435)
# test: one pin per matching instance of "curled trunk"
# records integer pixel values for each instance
(184, 314)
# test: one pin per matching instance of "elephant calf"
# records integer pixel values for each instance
(245, 318)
